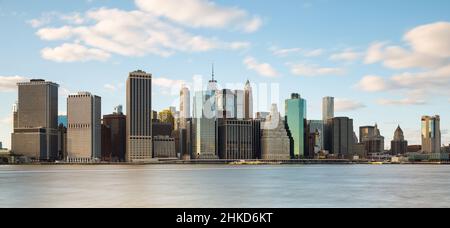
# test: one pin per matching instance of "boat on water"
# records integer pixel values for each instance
(243, 162)
(376, 163)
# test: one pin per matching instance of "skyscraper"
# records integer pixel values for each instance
(431, 134)
(296, 121)
(371, 137)
(36, 124)
(327, 116)
(316, 127)
(237, 138)
(117, 125)
(84, 127)
(226, 106)
(327, 108)
(248, 101)
(275, 142)
(399, 145)
(239, 104)
(342, 137)
(204, 126)
(185, 106)
(139, 117)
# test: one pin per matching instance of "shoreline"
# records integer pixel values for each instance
(231, 163)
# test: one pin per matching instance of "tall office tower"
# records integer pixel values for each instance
(225, 99)
(84, 127)
(239, 104)
(431, 134)
(212, 84)
(316, 127)
(342, 140)
(262, 115)
(327, 116)
(371, 137)
(36, 132)
(116, 122)
(399, 145)
(327, 108)
(275, 141)
(237, 139)
(139, 117)
(248, 101)
(204, 126)
(185, 106)
(296, 122)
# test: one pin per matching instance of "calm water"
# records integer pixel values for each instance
(225, 186)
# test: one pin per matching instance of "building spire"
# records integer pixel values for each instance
(212, 72)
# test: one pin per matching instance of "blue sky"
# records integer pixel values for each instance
(386, 62)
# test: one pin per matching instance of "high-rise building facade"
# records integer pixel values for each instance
(327, 116)
(116, 122)
(204, 125)
(164, 147)
(238, 139)
(431, 134)
(226, 106)
(342, 137)
(372, 138)
(275, 141)
(239, 104)
(327, 108)
(399, 145)
(185, 106)
(248, 101)
(139, 117)
(296, 124)
(316, 143)
(84, 127)
(36, 121)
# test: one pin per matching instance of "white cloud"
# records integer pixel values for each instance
(428, 47)
(74, 18)
(201, 13)
(9, 83)
(74, 52)
(283, 52)
(130, 33)
(346, 55)
(167, 82)
(406, 101)
(345, 105)
(315, 70)
(431, 39)
(314, 53)
(373, 83)
(263, 69)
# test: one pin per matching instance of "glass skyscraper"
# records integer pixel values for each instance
(295, 121)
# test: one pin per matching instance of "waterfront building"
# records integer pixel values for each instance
(164, 147)
(342, 137)
(248, 101)
(35, 132)
(359, 149)
(62, 142)
(238, 139)
(139, 117)
(414, 148)
(185, 106)
(84, 127)
(106, 142)
(327, 116)
(117, 125)
(275, 141)
(431, 134)
(399, 145)
(296, 124)
(371, 137)
(239, 104)
(166, 116)
(204, 126)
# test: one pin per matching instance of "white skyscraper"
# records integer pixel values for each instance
(84, 127)
(185, 106)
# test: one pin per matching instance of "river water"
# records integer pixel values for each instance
(225, 186)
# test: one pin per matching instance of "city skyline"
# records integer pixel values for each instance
(313, 62)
